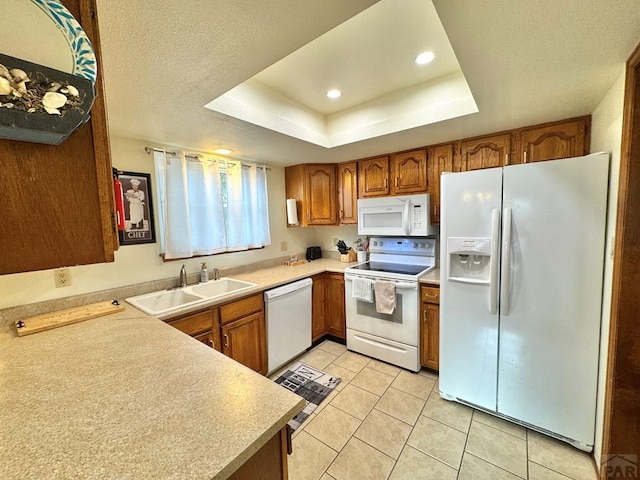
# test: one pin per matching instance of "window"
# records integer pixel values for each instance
(209, 206)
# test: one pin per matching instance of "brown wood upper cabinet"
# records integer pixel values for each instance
(410, 172)
(401, 174)
(373, 177)
(314, 188)
(565, 139)
(484, 152)
(440, 159)
(348, 193)
(46, 223)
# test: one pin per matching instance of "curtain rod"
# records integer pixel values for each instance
(149, 150)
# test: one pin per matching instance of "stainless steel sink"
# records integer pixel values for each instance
(165, 302)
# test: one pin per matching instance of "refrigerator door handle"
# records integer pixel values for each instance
(506, 262)
(493, 262)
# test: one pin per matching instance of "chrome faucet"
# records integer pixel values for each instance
(216, 274)
(183, 277)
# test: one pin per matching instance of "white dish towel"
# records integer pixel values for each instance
(362, 289)
(385, 296)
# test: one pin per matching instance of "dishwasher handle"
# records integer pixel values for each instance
(287, 289)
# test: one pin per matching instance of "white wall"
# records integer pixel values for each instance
(141, 263)
(606, 135)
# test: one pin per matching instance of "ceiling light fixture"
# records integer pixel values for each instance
(424, 58)
(224, 151)
(334, 93)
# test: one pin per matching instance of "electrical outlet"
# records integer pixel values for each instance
(283, 246)
(334, 240)
(62, 277)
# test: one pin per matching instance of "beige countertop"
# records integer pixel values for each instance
(275, 276)
(268, 278)
(128, 396)
(431, 278)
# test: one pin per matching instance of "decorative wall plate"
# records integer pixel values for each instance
(84, 64)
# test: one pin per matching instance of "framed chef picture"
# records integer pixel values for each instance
(138, 209)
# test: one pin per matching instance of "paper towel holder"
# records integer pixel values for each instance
(292, 212)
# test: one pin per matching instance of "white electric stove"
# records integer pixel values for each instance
(394, 337)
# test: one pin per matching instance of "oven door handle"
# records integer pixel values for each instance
(398, 285)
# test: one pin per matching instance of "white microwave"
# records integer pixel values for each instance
(406, 216)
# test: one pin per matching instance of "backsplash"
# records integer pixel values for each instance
(9, 315)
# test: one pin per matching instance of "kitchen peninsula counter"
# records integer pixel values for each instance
(128, 396)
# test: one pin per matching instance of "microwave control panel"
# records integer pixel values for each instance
(416, 221)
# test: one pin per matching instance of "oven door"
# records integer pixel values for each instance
(401, 326)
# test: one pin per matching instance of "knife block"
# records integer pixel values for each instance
(348, 257)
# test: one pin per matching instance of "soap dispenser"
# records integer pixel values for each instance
(204, 274)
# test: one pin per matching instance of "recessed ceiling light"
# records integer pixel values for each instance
(424, 58)
(224, 151)
(334, 93)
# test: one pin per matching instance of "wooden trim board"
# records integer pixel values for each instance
(47, 321)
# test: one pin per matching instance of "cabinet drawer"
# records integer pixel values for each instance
(241, 308)
(430, 295)
(194, 324)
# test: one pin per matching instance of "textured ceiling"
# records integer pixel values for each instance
(525, 62)
(370, 59)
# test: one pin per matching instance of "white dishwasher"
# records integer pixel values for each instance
(288, 322)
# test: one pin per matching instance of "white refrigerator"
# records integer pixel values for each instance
(522, 260)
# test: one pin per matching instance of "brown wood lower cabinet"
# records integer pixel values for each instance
(430, 327)
(319, 306)
(270, 462)
(242, 335)
(336, 321)
(203, 326)
(328, 313)
(244, 341)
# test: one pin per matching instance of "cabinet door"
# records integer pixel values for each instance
(348, 193)
(195, 323)
(440, 160)
(373, 177)
(554, 141)
(485, 152)
(318, 307)
(430, 341)
(335, 306)
(245, 341)
(321, 194)
(57, 200)
(410, 172)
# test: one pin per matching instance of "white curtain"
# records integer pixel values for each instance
(191, 211)
(248, 207)
(194, 219)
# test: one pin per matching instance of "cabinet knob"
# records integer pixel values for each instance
(212, 343)
(396, 181)
(226, 340)
(386, 183)
(525, 156)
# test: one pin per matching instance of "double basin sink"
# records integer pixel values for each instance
(168, 301)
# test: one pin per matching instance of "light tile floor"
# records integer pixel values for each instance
(383, 422)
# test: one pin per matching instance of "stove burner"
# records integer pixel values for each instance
(400, 268)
